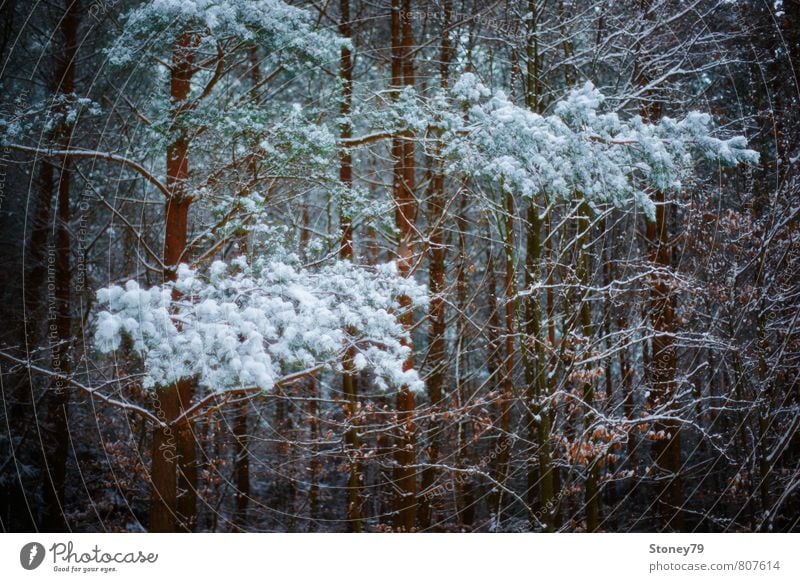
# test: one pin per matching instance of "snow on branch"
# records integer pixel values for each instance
(578, 151)
(155, 26)
(252, 325)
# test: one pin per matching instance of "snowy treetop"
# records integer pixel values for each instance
(272, 24)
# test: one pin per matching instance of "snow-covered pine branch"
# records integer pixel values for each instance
(152, 29)
(577, 150)
(250, 325)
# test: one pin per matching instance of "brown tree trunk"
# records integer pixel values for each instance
(540, 475)
(349, 381)
(241, 467)
(174, 472)
(592, 492)
(661, 362)
(436, 270)
(503, 444)
(313, 430)
(626, 380)
(465, 499)
(346, 128)
(667, 450)
(405, 502)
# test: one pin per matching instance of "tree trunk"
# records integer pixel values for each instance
(174, 472)
(591, 493)
(405, 502)
(506, 400)
(349, 382)
(241, 468)
(465, 499)
(666, 450)
(22, 405)
(662, 358)
(313, 431)
(540, 475)
(346, 129)
(436, 270)
(59, 334)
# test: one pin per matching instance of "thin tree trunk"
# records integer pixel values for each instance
(346, 128)
(626, 381)
(540, 476)
(591, 493)
(349, 381)
(405, 502)
(666, 450)
(465, 499)
(540, 473)
(313, 430)
(436, 270)
(507, 379)
(241, 468)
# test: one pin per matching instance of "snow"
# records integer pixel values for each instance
(469, 88)
(244, 325)
(275, 25)
(578, 151)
